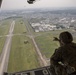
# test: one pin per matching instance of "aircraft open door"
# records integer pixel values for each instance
(0, 2)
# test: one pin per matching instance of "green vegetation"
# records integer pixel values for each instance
(4, 28)
(20, 27)
(45, 42)
(2, 41)
(23, 55)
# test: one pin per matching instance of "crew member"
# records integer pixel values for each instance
(63, 61)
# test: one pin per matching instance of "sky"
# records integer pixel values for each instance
(22, 4)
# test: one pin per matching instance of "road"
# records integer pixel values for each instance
(4, 58)
(41, 59)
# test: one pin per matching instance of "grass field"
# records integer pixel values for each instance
(20, 27)
(2, 41)
(46, 44)
(23, 55)
(4, 28)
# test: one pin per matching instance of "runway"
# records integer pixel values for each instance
(4, 58)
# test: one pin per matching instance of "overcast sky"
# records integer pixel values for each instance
(22, 4)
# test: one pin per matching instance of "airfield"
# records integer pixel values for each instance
(23, 49)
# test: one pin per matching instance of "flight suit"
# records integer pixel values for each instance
(65, 54)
